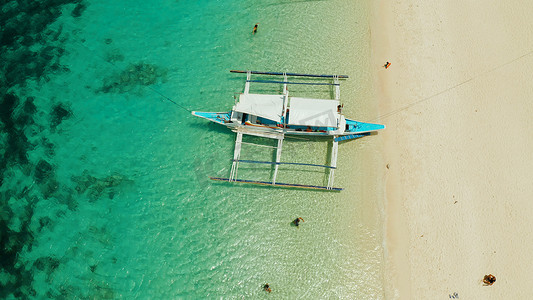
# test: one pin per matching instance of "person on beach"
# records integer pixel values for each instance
(386, 65)
(297, 222)
(489, 279)
(339, 108)
(266, 287)
(255, 28)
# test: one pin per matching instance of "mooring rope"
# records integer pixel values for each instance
(118, 69)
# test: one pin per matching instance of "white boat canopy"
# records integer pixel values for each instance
(266, 106)
(313, 112)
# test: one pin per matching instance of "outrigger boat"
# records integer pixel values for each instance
(274, 116)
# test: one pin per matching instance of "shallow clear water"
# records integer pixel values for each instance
(122, 206)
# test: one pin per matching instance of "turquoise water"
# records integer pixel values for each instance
(105, 190)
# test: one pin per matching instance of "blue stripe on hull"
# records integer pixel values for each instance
(356, 127)
(353, 127)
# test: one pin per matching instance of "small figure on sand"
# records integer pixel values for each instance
(266, 287)
(255, 28)
(386, 65)
(489, 279)
(339, 108)
(296, 222)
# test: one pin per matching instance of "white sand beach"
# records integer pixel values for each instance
(457, 102)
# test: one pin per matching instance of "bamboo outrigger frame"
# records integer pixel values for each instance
(268, 116)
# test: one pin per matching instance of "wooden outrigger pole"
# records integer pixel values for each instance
(291, 82)
(290, 74)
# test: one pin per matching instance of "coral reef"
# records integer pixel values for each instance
(43, 171)
(29, 50)
(95, 188)
(59, 113)
(114, 56)
(78, 10)
(133, 77)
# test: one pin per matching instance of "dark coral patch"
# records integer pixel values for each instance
(95, 188)
(44, 222)
(59, 113)
(114, 56)
(133, 77)
(11, 243)
(29, 106)
(7, 106)
(43, 171)
(29, 50)
(78, 10)
(48, 146)
(68, 199)
(17, 143)
(47, 264)
(25, 115)
(49, 187)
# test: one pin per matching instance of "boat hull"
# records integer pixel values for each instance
(352, 127)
